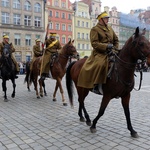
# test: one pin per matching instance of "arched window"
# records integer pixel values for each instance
(27, 6)
(37, 7)
(16, 4)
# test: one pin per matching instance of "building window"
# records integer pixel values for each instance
(37, 22)
(37, 7)
(27, 20)
(57, 26)
(63, 27)
(63, 15)
(78, 23)
(69, 16)
(28, 40)
(82, 35)
(87, 24)
(50, 25)
(50, 13)
(27, 6)
(82, 46)
(37, 36)
(63, 40)
(57, 15)
(82, 23)
(87, 36)
(16, 4)
(78, 35)
(63, 4)
(17, 19)
(56, 3)
(5, 3)
(69, 27)
(5, 18)
(78, 45)
(17, 39)
(87, 46)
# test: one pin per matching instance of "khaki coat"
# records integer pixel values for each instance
(45, 67)
(13, 58)
(37, 52)
(95, 69)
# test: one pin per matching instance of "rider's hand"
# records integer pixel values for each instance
(109, 46)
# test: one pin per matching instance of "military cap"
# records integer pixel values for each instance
(37, 40)
(103, 15)
(52, 35)
(5, 36)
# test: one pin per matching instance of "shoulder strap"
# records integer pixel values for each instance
(52, 44)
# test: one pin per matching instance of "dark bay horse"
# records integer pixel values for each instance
(7, 70)
(121, 82)
(32, 77)
(58, 68)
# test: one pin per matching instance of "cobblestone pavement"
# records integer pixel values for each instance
(28, 123)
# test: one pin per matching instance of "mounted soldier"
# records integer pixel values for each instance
(103, 40)
(37, 52)
(6, 41)
(52, 47)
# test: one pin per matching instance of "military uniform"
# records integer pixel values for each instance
(13, 58)
(51, 47)
(94, 70)
(37, 52)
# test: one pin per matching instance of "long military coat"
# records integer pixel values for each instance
(36, 53)
(50, 49)
(12, 51)
(94, 70)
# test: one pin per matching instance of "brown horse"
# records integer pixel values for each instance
(33, 75)
(120, 84)
(58, 68)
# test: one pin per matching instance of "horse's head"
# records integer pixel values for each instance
(69, 49)
(6, 50)
(138, 46)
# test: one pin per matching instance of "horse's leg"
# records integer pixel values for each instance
(55, 91)
(36, 86)
(4, 89)
(61, 91)
(125, 104)
(82, 94)
(14, 88)
(40, 87)
(43, 84)
(104, 103)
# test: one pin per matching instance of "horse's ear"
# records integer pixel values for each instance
(69, 41)
(10, 44)
(144, 31)
(72, 41)
(137, 32)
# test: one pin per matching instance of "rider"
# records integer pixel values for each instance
(52, 46)
(6, 41)
(103, 40)
(37, 52)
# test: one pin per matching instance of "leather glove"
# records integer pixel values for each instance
(109, 46)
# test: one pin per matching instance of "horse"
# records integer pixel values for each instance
(32, 76)
(118, 85)
(58, 67)
(8, 70)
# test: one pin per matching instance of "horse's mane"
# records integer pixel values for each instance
(128, 42)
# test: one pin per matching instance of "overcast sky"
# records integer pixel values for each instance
(126, 5)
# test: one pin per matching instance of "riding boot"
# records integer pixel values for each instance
(96, 89)
(43, 76)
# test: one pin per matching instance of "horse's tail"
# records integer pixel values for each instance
(26, 79)
(69, 83)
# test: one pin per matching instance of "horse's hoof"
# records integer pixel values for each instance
(82, 119)
(93, 130)
(88, 123)
(54, 99)
(45, 94)
(13, 96)
(41, 95)
(64, 104)
(135, 135)
(6, 100)
(29, 90)
(38, 97)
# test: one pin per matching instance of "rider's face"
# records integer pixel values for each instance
(5, 40)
